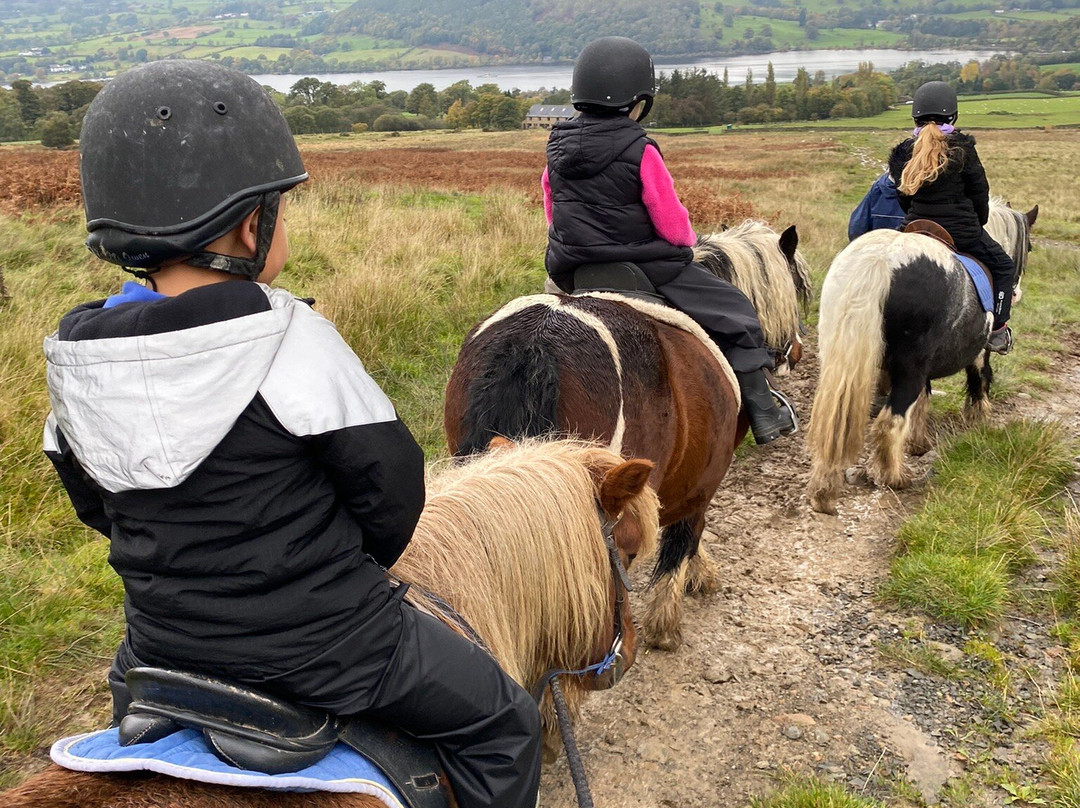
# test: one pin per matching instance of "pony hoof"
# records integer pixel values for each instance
(823, 503)
(975, 412)
(668, 640)
(898, 479)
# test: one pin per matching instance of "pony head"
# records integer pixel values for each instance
(772, 273)
(513, 539)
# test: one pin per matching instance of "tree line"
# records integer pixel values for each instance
(696, 97)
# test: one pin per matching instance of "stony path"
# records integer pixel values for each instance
(782, 670)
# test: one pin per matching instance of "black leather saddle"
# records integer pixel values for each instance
(623, 278)
(251, 730)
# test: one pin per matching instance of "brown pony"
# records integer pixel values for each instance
(637, 376)
(513, 540)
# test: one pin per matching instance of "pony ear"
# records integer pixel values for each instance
(622, 483)
(499, 442)
(789, 241)
(1032, 215)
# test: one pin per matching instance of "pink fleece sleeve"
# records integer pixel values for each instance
(545, 183)
(670, 219)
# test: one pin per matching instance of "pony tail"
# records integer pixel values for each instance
(928, 159)
(851, 344)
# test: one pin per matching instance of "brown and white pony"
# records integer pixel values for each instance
(637, 376)
(513, 541)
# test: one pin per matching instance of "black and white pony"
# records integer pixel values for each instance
(897, 310)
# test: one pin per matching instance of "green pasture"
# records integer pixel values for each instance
(1006, 111)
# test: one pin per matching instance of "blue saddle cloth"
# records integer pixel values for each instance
(981, 281)
(185, 754)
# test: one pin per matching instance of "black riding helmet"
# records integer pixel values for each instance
(613, 74)
(174, 155)
(934, 100)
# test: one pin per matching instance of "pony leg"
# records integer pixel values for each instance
(918, 441)
(702, 571)
(979, 377)
(824, 486)
(662, 621)
(889, 433)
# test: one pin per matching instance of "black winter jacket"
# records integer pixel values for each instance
(594, 167)
(958, 200)
(250, 475)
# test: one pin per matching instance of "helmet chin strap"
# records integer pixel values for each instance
(249, 268)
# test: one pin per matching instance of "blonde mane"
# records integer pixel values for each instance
(760, 271)
(1008, 228)
(512, 539)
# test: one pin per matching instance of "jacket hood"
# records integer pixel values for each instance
(142, 407)
(586, 145)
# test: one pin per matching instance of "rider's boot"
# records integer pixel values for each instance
(771, 415)
(1000, 340)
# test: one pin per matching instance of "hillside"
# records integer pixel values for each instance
(55, 40)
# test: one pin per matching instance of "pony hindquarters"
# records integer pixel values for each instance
(851, 344)
(640, 378)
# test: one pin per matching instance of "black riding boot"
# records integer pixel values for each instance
(771, 415)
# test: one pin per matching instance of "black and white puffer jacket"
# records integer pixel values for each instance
(251, 476)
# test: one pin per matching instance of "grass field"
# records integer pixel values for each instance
(406, 242)
(1004, 111)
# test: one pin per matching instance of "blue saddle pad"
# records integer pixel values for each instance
(185, 754)
(981, 281)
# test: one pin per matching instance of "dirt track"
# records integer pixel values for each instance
(781, 670)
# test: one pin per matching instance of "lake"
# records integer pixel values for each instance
(537, 76)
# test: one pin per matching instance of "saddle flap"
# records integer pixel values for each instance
(411, 765)
(249, 729)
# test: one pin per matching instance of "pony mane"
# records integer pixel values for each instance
(748, 256)
(512, 539)
(1009, 228)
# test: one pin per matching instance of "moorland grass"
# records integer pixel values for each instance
(982, 521)
(813, 793)
(405, 272)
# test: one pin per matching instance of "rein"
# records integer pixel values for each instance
(607, 672)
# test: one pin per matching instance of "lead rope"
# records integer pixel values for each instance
(551, 678)
(573, 756)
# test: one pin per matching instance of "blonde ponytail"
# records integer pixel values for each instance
(928, 159)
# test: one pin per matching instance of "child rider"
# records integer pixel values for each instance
(253, 480)
(609, 198)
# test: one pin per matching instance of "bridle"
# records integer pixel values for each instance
(610, 669)
(606, 673)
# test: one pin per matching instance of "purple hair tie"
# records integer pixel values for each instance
(946, 129)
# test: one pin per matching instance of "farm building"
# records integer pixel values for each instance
(543, 116)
